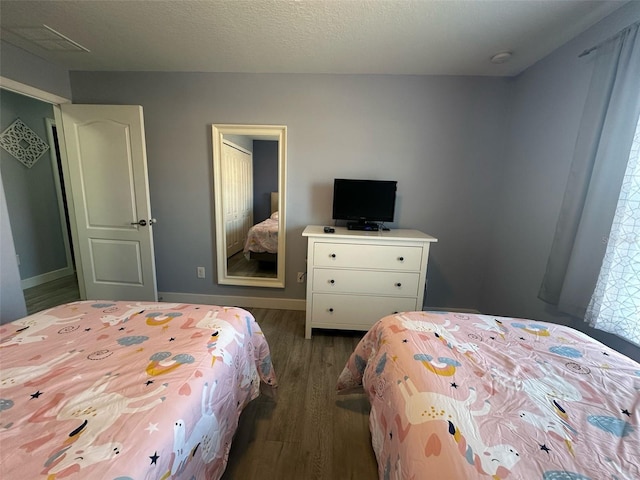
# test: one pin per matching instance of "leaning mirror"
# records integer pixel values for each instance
(249, 165)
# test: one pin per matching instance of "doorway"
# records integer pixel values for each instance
(114, 254)
(37, 210)
(64, 289)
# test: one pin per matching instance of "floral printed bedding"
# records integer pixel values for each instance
(126, 391)
(461, 396)
(262, 237)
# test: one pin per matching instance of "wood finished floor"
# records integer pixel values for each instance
(239, 266)
(50, 294)
(306, 432)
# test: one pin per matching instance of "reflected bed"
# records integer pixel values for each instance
(262, 240)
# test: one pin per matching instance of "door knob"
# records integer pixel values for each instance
(143, 222)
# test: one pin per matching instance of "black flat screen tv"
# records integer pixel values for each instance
(364, 202)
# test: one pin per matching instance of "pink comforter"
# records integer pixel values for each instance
(118, 390)
(458, 396)
(262, 237)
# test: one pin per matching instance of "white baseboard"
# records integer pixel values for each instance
(226, 300)
(46, 277)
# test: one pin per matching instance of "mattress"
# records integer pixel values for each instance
(120, 390)
(457, 396)
(263, 237)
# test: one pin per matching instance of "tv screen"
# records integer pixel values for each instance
(364, 200)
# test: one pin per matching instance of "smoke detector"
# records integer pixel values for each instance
(502, 57)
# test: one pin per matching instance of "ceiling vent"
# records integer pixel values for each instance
(47, 38)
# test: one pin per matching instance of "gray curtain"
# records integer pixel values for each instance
(599, 163)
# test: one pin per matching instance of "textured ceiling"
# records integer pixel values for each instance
(304, 36)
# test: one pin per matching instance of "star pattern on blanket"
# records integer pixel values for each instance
(546, 393)
(153, 427)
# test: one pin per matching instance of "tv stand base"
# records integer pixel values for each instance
(368, 227)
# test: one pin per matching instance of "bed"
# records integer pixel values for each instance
(122, 390)
(463, 396)
(262, 240)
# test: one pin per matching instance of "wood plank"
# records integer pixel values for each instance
(50, 294)
(306, 431)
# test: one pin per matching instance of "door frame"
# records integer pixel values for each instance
(55, 101)
(62, 201)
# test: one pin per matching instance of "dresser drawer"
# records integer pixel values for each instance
(357, 312)
(379, 257)
(357, 278)
(328, 280)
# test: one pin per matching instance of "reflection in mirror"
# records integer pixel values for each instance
(249, 181)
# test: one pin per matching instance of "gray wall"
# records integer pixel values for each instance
(441, 138)
(545, 115)
(18, 65)
(265, 177)
(243, 141)
(23, 67)
(12, 304)
(30, 193)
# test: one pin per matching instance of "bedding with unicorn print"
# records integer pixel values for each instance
(126, 390)
(466, 396)
(263, 236)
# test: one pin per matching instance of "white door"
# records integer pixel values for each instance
(108, 188)
(237, 168)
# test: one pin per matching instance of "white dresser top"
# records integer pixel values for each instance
(343, 232)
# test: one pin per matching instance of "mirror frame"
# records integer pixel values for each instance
(218, 131)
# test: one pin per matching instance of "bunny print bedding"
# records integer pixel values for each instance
(127, 391)
(462, 396)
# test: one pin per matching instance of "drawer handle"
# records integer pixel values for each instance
(401, 259)
(333, 255)
(332, 281)
(398, 284)
(331, 310)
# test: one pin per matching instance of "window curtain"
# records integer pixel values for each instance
(598, 167)
(615, 304)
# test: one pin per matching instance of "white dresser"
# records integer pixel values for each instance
(355, 278)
